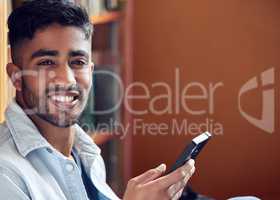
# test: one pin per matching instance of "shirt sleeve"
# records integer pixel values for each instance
(98, 169)
(9, 190)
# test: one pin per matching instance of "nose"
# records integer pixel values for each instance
(64, 75)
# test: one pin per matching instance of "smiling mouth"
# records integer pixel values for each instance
(65, 100)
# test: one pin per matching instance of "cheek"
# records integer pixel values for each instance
(35, 84)
(30, 84)
(84, 79)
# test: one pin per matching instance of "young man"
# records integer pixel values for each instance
(44, 154)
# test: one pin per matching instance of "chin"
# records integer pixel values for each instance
(59, 121)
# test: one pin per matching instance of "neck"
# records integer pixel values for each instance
(62, 139)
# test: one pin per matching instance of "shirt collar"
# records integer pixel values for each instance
(27, 137)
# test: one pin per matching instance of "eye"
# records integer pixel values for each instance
(46, 62)
(78, 63)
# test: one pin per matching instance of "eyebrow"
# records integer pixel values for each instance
(47, 52)
(44, 52)
(78, 53)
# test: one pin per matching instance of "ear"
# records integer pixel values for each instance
(15, 74)
(91, 66)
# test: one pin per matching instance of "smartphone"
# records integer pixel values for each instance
(192, 150)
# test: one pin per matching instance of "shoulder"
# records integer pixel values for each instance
(10, 159)
(10, 189)
(8, 149)
(11, 180)
(4, 134)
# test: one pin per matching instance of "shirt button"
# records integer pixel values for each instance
(69, 167)
(49, 150)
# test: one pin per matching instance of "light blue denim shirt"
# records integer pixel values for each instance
(30, 168)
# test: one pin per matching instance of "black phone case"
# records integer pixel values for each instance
(190, 152)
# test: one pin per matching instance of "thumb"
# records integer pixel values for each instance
(161, 168)
(152, 174)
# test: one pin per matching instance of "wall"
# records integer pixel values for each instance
(3, 58)
(211, 41)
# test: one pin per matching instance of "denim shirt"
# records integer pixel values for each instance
(30, 168)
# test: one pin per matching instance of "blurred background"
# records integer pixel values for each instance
(202, 53)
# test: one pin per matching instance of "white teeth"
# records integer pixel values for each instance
(63, 99)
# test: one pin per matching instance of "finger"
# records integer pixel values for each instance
(178, 195)
(150, 174)
(176, 176)
(188, 167)
(189, 175)
(181, 192)
(174, 190)
(157, 173)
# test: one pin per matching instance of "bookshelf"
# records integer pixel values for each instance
(108, 57)
(106, 17)
(108, 52)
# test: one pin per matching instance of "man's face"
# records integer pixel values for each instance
(57, 74)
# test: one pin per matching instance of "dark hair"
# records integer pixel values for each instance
(33, 15)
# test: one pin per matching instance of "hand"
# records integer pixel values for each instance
(151, 185)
